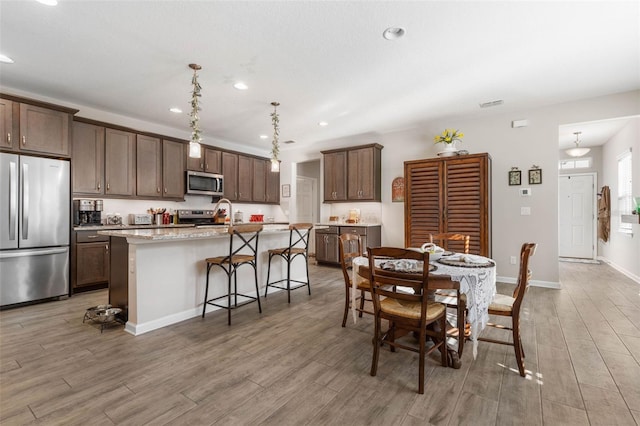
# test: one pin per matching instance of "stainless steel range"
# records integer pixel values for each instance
(196, 217)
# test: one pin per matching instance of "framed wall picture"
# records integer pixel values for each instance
(397, 190)
(535, 176)
(286, 191)
(515, 177)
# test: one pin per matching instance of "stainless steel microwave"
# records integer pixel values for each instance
(199, 183)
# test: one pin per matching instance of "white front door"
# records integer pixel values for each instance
(576, 216)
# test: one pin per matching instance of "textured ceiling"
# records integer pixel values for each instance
(323, 61)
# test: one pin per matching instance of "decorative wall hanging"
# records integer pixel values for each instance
(515, 176)
(397, 190)
(535, 175)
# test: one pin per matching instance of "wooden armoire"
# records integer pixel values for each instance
(449, 194)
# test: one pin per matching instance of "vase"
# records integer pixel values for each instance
(449, 150)
(450, 147)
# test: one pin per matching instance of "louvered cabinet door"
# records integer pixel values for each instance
(423, 201)
(465, 207)
(449, 195)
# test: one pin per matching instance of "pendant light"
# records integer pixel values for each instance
(275, 147)
(195, 150)
(577, 151)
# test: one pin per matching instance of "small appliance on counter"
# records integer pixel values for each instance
(140, 219)
(87, 212)
(114, 219)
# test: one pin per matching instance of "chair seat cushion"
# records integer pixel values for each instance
(364, 285)
(286, 249)
(502, 303)
(236, 260)
(449, 297)
(410, 309)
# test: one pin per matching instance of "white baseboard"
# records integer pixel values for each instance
(534, 283)
(145, 327)
(620, 269)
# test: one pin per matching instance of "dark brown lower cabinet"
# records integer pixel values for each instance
(90, 260)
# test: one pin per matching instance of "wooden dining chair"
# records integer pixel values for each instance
(509, 306)
(402, 298)
(451, 241)
(350, 247)
(451, 296)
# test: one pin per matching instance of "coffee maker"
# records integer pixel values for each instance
(87, 212)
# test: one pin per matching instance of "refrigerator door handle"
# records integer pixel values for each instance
(36, 252)
(13, 199)
(25, 201)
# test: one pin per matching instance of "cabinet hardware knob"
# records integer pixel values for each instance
(9, 137)
(99, 186)
(24, 140)
(106, 247)
(108, 187)
(165, 190)
(92, 236)
(158, 189)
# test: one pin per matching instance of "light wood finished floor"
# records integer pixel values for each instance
(295, 365)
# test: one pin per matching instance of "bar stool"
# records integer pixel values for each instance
(246, 237)
(298, 246)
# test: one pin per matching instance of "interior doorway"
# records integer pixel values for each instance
(307, 201)
(577, 216)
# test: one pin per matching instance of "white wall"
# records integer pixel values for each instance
(622, 250)
(490, 131)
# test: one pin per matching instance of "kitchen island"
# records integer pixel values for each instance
(158, 276)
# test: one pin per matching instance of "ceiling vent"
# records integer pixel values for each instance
(491, 103)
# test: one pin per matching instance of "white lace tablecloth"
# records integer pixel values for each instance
(478, 283)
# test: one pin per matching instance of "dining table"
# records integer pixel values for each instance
(474, 275)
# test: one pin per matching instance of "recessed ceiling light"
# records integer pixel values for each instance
(264, 136)
(5, 59)
(240, 86)
(323, 123)
(176, 110)
(393, 33)
(48, 2)
(491, 103)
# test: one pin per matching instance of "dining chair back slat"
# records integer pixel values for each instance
(402, 299)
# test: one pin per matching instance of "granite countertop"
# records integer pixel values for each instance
(112, 227)
(169, 233)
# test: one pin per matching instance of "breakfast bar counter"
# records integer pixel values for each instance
(158, 276)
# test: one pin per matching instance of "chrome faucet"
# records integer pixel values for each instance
(225, 200)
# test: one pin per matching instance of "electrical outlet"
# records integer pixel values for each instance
(513, 260)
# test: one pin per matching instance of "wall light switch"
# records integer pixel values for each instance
(525, 211)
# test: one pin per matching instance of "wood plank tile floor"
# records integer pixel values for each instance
(295, 365)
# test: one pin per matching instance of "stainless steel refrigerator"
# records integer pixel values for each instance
(34, 228)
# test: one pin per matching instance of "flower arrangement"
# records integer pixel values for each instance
(448, 136)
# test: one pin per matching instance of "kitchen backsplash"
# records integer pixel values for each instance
(197, 202)
(369, 212)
